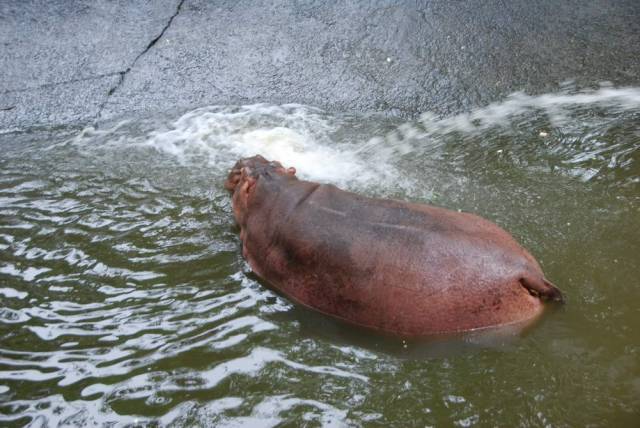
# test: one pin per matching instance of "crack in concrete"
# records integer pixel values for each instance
(60, 83)
(124, 73)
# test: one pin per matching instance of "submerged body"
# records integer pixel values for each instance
(392, 266)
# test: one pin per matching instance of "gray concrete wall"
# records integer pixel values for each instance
(80, 62)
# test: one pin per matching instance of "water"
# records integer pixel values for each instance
(124, 296)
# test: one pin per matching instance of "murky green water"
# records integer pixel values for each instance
(124, 296)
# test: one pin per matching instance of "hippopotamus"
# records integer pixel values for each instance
(396, 267)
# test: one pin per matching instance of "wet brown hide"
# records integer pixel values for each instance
(396, 267)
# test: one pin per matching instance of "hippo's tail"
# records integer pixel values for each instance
(542, 288)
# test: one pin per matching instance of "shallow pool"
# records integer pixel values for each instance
(124, 296)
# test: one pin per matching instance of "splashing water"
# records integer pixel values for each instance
(219, 136)
(571, 132)
(124, 297)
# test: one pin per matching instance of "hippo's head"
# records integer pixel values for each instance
(243, 176)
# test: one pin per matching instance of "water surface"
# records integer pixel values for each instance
(124, 296)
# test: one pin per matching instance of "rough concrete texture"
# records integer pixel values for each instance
(65, 62)
(59, 59)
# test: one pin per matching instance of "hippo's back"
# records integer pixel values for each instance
(399, 267)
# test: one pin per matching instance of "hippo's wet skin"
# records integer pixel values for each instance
(396, 267)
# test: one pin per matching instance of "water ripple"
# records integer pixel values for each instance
(124, 299)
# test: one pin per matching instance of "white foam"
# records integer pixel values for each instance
(294, 135)
(317, 162)
(311, 140)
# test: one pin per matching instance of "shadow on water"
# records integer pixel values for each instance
(336, 332)
(312, 324)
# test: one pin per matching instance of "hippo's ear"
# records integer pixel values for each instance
(291, 171)
(247, 178)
